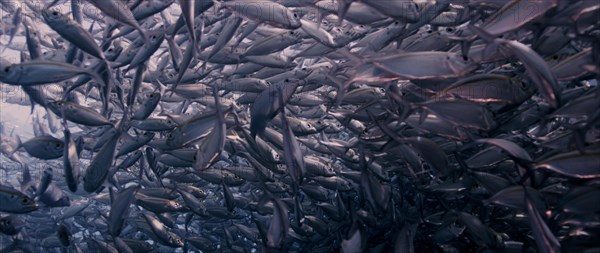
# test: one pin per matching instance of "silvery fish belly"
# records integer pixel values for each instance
(299, 126)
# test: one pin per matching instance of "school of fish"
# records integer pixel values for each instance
(300, 126)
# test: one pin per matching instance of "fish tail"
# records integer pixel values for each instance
(482, 33)
(343, 6)
(144, 35)
(18, 144)
(341, 88)
(355, 59)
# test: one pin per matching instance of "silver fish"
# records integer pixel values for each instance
(15, 201)
(97, 171)
(44, 147)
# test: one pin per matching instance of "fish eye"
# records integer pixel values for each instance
(555, 57)
(449, 29)
(429, 31)
(25, 201)
(55, 13)
(291, 32)
(396, 23)
(295, 15)
(7, 69)
(59, 145)
(465, 58)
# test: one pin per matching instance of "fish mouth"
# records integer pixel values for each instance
(50, 14)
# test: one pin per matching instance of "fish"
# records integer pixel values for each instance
(44, 147)
(269, 12)
(119, 11)
(78, 114)
(299, 126)
(119, 208)
(96, 173)
(10, 224)
(265, 106)
(45, 72)
(16, 201)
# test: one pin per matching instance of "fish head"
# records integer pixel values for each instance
(53, 16)
(232, 180)
(378, 92)
(461, 64)
(153, 97)
(55, 107)
(55, 146)
(307, 126)
(24, 203)
(114, 52)
(176, 240)
(3, 64)
(175, 138)
(64, 235)
(156, 36)
(360, 31)
(170, 123)
(148, 135)
(10, 225)
(9, 73)
(294, 20)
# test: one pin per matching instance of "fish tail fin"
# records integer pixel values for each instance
(341, 88)
(343, 6)
(482, 33)
(320, 18)
(352, 57)
(32, 106)
(18, 143)
(105, 94)
(144, 35)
